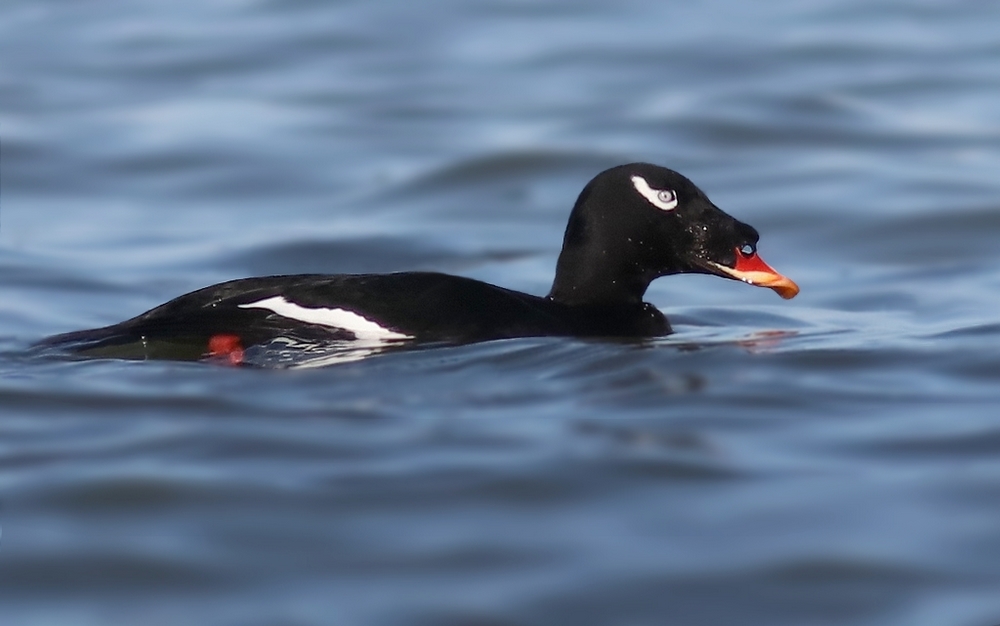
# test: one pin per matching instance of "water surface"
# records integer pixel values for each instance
(830, 460)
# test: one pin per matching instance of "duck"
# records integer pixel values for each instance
(630, 225)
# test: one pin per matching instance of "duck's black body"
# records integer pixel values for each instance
(630, 225)
(408, 304)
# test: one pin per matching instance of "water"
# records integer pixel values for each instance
(830, 460)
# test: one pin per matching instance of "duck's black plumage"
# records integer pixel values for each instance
(630, 225)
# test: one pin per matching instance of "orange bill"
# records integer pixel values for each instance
(751, 269)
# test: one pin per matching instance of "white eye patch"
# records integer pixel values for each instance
(663, 199)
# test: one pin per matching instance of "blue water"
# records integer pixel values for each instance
(833, 460)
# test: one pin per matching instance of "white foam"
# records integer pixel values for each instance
(290, 353)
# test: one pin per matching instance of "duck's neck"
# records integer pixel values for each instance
(592, 276)
(599, 263)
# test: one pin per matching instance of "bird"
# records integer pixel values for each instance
(630, 225)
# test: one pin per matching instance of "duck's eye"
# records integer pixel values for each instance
(665, 196)
(663, 199)
(748, 250)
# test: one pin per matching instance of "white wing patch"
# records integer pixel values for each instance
(363, 328)
(663, 199)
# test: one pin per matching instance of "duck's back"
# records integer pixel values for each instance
(408, 306)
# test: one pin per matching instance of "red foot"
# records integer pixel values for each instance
(227, 347)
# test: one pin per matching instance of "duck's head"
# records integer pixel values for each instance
(634, 223)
